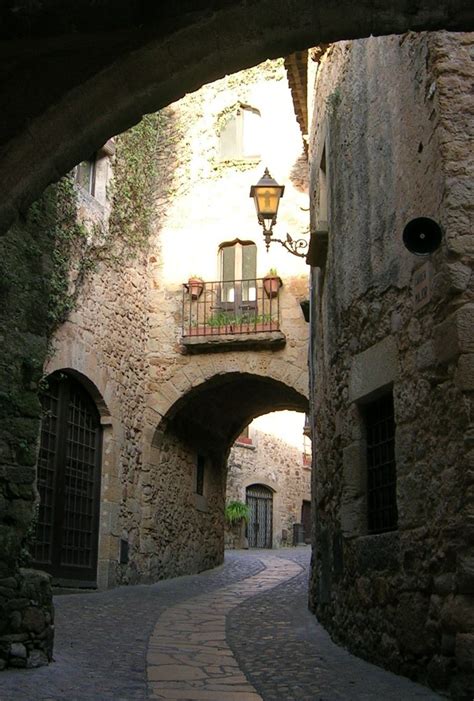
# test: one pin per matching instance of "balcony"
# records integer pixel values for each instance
(232, 315)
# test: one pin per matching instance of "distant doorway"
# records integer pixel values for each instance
(260, 524)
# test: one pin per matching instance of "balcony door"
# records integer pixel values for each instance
(238, 272)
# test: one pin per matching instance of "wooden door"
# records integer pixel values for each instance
(260, 525)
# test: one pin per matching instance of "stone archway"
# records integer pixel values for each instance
(137, 60)
(182, 486)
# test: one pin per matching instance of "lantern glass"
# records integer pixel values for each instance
(266, 194)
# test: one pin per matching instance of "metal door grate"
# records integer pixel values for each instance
(381, 470)
(68, 481)
(46, 480)
(260, 525)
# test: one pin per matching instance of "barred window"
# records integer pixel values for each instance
(381, 470)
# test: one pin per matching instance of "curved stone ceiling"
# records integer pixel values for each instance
(72, 78)
(215, 413)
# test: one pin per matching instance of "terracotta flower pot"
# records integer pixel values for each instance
(195, 287)
(272, 284)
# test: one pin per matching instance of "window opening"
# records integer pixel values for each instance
(200, 465)
(323, 194)
(85, 175)
(381, 470)
(240, 136)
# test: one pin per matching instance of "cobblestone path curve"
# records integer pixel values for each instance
(188, 656)
(241, 632)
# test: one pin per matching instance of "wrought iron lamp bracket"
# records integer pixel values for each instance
(298, 247)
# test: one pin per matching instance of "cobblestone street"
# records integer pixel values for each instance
(238, 633)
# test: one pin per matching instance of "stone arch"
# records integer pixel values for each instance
(270, 367)
(181, 530)
(82, 362)
(154, 55)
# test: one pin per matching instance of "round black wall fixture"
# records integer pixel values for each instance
(422, 236)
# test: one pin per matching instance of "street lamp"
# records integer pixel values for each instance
(266, 195)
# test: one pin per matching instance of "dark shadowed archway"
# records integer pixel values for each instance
(73, 78)
(182, 485)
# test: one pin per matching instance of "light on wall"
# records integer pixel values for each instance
(267, 194)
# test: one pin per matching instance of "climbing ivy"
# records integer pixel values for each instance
(132, 189)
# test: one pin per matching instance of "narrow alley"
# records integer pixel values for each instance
(241, 632)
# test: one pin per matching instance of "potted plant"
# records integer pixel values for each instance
(237, 515)
(272, 283)
(195, 286)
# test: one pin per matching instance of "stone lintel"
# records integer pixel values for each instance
(373, 369)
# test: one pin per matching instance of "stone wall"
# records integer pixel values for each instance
(391, 116)
(33, 295)
(123, 338)
(276, 464)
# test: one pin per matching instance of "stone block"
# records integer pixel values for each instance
(36, 658)
(465, 575)
(352, 516)
(412, 615)
(465, 372)
(34, 619)
(354, 460)
(378, 553)
(457, 614)
(459, 276)
(464, 651)
(439, 671)
(373, 369)
(18, 650)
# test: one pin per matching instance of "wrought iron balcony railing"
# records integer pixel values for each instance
(232, 307)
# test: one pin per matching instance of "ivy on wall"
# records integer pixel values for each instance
(132, 189)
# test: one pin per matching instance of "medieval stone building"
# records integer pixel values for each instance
(269, 468)
(391, 348)
(157, 372)
(391, 351)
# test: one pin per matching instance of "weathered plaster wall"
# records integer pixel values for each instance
(271, 461)
(392, 114)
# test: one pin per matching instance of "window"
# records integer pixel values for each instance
(381, 471)
(85, 175)
(238, 271)
(244, 437)
(200, 468)
(240, 134)
(323, 194)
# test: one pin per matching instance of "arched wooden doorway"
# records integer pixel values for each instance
(260, 524)
(68, 482)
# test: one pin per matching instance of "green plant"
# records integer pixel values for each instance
(131, 191)
(236, 511)
(333, 100)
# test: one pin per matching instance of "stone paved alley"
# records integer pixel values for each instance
(239, 633)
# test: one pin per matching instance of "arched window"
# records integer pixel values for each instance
(240, 136)
(238, 271)
(68, 481)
